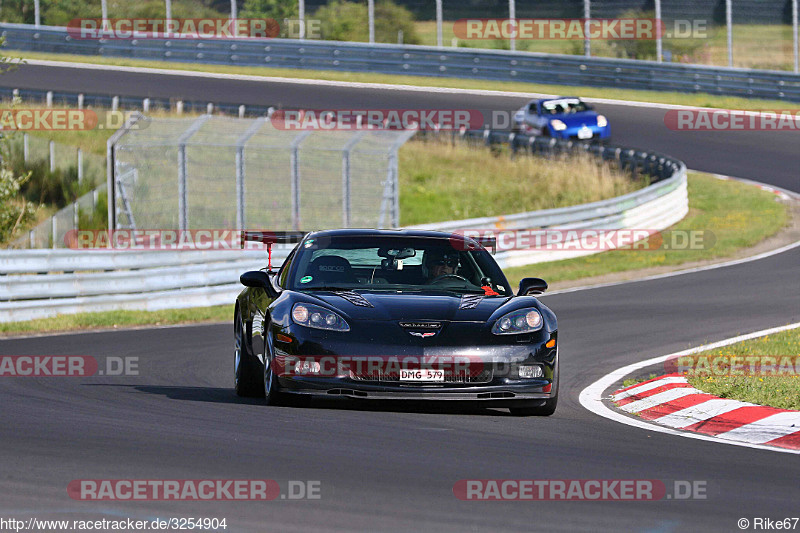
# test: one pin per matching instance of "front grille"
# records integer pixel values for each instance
(463, 376)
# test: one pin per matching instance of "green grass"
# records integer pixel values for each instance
(632, 381)
(781, 391)
(700, 99)
(758, 46)
(120, 318)
(440, 180)
(738, 215)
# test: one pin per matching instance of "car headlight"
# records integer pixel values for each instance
(314, 316)
(602, 121)
(520, 321)
(558, 125)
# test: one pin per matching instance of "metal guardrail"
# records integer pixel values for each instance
(424, 61)
(99, 280)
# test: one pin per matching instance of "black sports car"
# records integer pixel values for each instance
(395, 315)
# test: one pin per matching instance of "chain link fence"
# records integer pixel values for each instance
(222, 172)
(80, 214)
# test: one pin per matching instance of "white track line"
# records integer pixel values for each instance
(592, 396)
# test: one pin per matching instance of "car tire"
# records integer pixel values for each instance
(547, 409)
(271, 388)
(246, 372)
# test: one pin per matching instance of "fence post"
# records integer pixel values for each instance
(240, 170)
(659, 42)
(183, 217)
(439, 23)
(794, 38)
(294, 163)
(53, 231)
(80, 165)
(729, 24)
(75, 217)
(587, 14)
(512, 14)
(371, 20)
(347, 203)
(52, 156)
(25, 147)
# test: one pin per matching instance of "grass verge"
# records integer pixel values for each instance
(120, 318)
(440, 180)
(780, 389)
(738, 215)
(700, 99)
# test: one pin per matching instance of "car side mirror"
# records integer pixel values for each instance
(531, 287)
(259, 280)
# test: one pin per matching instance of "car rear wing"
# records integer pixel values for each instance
(272, 237)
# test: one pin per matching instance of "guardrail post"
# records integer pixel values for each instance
(115, 103)
(241, 111)
(52, 156)
(210, 109)
(80, 101)
(49, 99)
(80, 165)
(146, 105)
(179, 107)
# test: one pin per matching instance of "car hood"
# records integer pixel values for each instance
(414, 306)
(572, 120)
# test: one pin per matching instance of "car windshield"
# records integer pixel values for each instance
(564, 105)
(395, 264)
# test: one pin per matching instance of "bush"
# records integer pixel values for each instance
(272, 9)
(348, 21)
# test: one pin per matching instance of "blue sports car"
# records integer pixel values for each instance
(562, 118)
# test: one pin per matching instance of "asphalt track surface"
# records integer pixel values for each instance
(392, 467)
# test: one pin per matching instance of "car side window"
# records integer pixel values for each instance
(283, 273)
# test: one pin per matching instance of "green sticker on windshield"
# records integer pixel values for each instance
(309, 243)
(305, 279)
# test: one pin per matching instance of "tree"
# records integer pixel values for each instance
(348, 21)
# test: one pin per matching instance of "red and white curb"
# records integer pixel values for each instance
(670, 401)
(669, 405)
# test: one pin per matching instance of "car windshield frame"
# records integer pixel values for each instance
(482, 274)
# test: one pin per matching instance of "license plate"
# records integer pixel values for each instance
(422, 375)
(584, 133)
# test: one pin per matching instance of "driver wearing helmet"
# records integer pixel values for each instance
(439, 263)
